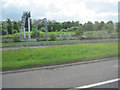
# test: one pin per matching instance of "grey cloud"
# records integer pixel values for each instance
(13, 13)
(102, 7)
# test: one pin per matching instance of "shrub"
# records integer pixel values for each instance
(52, 37)
(79, 31)
(63, 30)
(42, 33)
(72, 28)
(15, 31)
(35, 33)
(42, 29)
(16, 38)
(4, 32)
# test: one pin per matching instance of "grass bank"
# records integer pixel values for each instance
(24, 58)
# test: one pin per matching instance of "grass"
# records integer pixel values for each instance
(24, 58)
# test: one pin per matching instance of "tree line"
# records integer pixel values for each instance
(10, 27)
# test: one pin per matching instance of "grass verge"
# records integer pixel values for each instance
(25, 58)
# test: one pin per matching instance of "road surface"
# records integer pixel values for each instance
(66, 77)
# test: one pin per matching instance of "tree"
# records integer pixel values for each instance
(19, 25)
(42, 29)
(74, 28)
(4, 32)
(41, 24)
(96, 25)
(9, 26)
(110, 26)
(89, 26)
(117, 27)
(57, 26)
(50, 26)
(101, 25)
(4, 28)
(15, 26)
(79, 31)
(4, 25)
(67, 24)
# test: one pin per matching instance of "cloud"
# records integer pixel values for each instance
(65, 10)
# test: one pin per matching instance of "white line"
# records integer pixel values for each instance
(100, 83)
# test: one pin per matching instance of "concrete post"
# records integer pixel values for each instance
(45, 22)
(29, 37)
(24, 32)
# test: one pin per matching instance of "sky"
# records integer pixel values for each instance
(62, 10)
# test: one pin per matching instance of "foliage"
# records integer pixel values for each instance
(88, 26)
(101, 25)
(117, 25)
(72, 29)
(16, 38)
(110, 26)
(15, 31)
(42, 29)
(35, 34)
(4, 32)
(52, 37)
(52, 26)
(15, 26)
(63, 30)
(79, 31)
(9, 26)
(4, 25)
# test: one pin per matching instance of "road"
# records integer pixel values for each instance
(66, 77)
(113, 84)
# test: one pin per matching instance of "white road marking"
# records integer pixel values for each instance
(98, 84)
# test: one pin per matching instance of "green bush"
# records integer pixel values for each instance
(4, 32)
(52, 37)
(16, 38)
(15, 31)
(63, 30)
(72, 29)
(34, 33)
(42, 29)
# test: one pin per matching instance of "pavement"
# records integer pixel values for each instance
(74, 76)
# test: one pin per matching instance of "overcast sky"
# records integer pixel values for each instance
(62, 10)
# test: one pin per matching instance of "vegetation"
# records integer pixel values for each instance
(54, 26)
(52, 37)
(24, 58)
(17, 38)
(97, 30)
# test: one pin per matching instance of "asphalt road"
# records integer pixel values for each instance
(113, 85)
(65, 77)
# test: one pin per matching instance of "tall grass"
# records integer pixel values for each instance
(23, 58)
